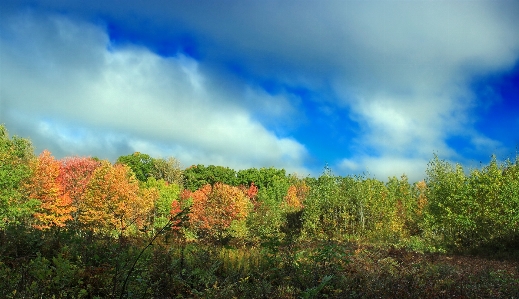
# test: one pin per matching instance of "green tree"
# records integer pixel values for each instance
(262, 178)
(167, 194)
(199, 175)
(16, 155)
(509, 219)
(265, 219)
(326, 213)
(141, 164)
(449, 213)
(494, 193)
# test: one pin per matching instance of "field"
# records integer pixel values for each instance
(62, 265)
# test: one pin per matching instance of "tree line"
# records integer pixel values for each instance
(138, 195)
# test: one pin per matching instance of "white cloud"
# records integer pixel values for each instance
(402, 68)
(413, 93)
(78, 92)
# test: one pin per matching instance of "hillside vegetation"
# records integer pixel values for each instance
(143, 227)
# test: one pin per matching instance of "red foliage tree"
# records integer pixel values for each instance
(251, 192)
(75, 174)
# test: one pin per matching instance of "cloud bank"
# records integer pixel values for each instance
(382, 84)
(83, 96)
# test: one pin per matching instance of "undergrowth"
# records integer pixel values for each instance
(61, 264)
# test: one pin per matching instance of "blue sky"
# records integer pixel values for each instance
(372, 87)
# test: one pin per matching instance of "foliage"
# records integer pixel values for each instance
(253, 233)
(217, 211)
(75, 174)
(265, 219)
(330, 210)
(449, 207)
(141, 165)
(168, 170)
(296, 195)
(263, 178)
(16, 155)
(55, 203)
(197, 176)
(168, 195)
(113, 202)
(475, 210)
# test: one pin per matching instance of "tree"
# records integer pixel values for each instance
(494, 191)
(325, 214)
(197, 176)
(448, 216)
(168, 170)
(262, 178)
(141, 164)
(16, 155)
(55, 203)
(112, 201)
(167, 200)
(251, 192)
(296, 195)
(218, 212)
(75, 174)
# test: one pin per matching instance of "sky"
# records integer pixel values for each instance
(363, 87)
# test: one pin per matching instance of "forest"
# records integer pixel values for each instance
(145, 227)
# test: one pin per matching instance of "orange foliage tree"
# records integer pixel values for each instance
(296, 194)
(55, 203)
(217, 211)
(113, 202)
(251, 192)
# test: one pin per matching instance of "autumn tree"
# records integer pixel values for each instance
(112, 201)
(16, 155)
(251, 192)
(75, 174)
(296, 195)
(292, 207)
(218, 212)
(55, 203)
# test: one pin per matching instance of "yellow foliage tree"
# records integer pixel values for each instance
(113, 202)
